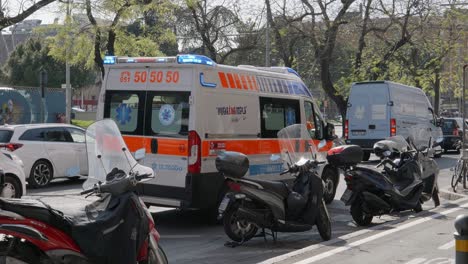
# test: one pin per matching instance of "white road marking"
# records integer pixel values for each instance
(448, 245)
(417, 261)
(356, 243)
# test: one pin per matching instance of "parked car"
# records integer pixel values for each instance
(14, 181)
(47, 150)
(452, 127)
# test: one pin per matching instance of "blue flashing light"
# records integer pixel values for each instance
(110, 59)
(293, 72)
(195, 59)
(131, 60)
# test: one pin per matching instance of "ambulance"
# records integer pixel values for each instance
(184, 110)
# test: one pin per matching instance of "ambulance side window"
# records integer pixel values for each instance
(277, 114)
(314, 121)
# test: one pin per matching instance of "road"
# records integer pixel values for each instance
(405, 238)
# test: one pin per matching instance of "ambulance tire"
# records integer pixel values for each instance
(330, 179)
(211, 214)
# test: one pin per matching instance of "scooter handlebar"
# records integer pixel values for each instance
(87, 191)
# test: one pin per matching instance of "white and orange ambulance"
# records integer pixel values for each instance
(183, 110)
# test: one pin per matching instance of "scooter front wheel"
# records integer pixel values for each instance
(359, 216)
(237, 228)
(156, 256)
(323, 222)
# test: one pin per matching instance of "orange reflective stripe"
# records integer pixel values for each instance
(222, 78)
(244, 82)
(254, 80)
(232, 83)
(166, 146)
(238, 82)
(254, 146)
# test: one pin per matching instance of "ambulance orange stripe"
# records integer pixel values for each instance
(238, 82)
(232, 84)
(223, 79)
(254, 147)
(254, 80)
(244, 83)
(166, 146)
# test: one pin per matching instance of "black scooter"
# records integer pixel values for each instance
(253, 204)
(408, 179)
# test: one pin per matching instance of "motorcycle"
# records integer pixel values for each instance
(34, 232)
(253, 204)
(409, 178)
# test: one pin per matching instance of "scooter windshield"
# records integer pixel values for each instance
(296, 144)
(106, 150)
(399, 142)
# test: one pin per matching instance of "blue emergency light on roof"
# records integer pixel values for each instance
(110, 59)
(293, 72)
(194, 59)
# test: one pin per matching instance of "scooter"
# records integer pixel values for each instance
(115, 228)
(253, 204)
(408, 179)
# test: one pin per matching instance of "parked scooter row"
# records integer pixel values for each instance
(97, 233)
(407, 179)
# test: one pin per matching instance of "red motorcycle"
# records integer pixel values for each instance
(115, 228)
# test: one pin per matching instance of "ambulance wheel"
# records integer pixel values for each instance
(330, 182)
(366, 156)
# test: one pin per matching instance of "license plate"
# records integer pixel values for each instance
(358, 133)
(346, 196)
(223, 205)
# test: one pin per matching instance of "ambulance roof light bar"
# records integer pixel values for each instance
(194, 59)
(181, 59)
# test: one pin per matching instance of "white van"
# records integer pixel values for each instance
(186, 109)
(380, 109)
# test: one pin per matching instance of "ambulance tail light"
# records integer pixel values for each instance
(392, 127)
(346, 129)
(194, 155)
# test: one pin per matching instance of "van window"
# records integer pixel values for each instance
(169, 113)
(277, 114)
(125, 108)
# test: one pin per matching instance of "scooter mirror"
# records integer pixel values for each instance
(140, 154)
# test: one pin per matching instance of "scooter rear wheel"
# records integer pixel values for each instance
(323, 222)
(237, 228)
(359, 216)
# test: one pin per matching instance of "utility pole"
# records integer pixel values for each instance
(68, 92)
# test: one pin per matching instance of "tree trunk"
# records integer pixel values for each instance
(437, 93)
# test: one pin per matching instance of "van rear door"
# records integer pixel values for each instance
(368, 112)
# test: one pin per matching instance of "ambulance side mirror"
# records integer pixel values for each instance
(330, 131)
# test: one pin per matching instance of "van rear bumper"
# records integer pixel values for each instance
(202, 191)
(365, 144)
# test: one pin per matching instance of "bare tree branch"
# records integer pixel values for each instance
(6, 21)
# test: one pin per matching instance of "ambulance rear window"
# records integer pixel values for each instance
(169, 113)
(125, 109)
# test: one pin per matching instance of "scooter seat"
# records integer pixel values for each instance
(34, 209)
(280, 188)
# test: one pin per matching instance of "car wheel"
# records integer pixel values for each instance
(11, 188)
(41, 174)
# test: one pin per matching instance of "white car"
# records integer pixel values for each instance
(47, 150)
(14, 185)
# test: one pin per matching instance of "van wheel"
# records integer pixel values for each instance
(366, 156)
(330, 183)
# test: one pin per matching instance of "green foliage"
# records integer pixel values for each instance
(25, 63)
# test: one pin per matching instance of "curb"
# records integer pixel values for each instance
(451, 196)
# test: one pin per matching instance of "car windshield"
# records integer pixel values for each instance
(106, 150)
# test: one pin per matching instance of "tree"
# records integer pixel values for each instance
(26, 61)
(217, 27)
(27, 9)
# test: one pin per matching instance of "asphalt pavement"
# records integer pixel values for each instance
(423, 238)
